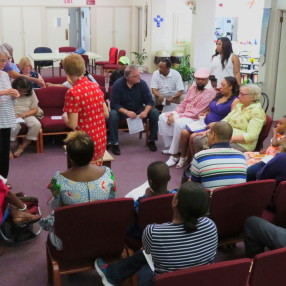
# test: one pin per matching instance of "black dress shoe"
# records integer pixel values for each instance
(115, 150)
(152, 146)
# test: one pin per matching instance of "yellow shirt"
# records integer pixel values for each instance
(247, 122)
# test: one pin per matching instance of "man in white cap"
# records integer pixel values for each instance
(196, 101)
(123, 63)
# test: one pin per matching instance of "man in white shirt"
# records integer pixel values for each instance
(166, 84)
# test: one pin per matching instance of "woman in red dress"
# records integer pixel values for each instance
(85, 108)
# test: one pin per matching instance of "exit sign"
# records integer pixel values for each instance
(90, 2)
(68, 1)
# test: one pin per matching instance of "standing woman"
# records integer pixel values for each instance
(225, 62)
(85, 108)
(7, 115)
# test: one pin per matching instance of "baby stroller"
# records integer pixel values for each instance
(12, 233)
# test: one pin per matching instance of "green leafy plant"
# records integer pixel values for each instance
(186, 72)
(140, 57)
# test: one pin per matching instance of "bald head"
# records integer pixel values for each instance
(222, 130)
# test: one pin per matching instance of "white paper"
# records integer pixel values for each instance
(20, 120)
(149, 260)
(56, 117)
(266, 159)
(196, 125)
(138, 192)
(135, 125)
(169, 107)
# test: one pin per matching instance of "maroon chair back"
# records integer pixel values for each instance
(155, 210)
(100, 79)
(227, 273)
(91, 230)
(264, 133)
(51, 100)
(230, 206)
(86, 60)
(56, 79)
(67, 49)
(269, 268)
(280, 205)
(121, 53)
(113, 55)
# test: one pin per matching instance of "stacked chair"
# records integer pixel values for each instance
(113, 56)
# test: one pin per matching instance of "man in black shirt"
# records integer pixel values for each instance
(123, 63)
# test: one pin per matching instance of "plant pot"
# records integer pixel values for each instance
(141, 68)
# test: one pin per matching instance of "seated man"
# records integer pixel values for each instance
(196, 101)
(123, 63)
(220, 165)
(259, 233)
(166, 84)
(8, 68)
(130, 98)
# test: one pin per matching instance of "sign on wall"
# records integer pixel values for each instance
(90, 2)
(68, 1)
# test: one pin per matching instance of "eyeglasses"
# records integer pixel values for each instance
(135, 76)
(243, 94)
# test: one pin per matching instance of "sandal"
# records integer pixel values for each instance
(18, 152)
(172, 161)
(181, 163)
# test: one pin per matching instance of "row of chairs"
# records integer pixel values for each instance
(91, 235)
(266, 269)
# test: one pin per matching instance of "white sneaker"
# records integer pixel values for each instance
(172, 161)
(182, 162)
(166, 152)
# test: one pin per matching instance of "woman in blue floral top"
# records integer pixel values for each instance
(83, 182)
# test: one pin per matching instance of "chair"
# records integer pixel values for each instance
(65, 50)
(227, 273)
(55, 79)
(279, 205)
(112, 67)
(230, 206)
(113, 55)
(88, 231)
(269, 268)
(264, 133)
(264, 100)
(39, 64)
(51, 100)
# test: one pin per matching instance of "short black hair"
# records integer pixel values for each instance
(167, 61)
(80, 148)
(222, 130)
(23, 83)
(158, 172)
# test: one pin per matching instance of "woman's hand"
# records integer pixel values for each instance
(65, 117)
(12, 92)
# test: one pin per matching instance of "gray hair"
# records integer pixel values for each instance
(9, 48)
(253, 91)
(129, 70)
(4, 51)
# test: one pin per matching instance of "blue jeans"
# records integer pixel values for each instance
(259, 233)
(125, 268)
(115, 116)
(253, 170)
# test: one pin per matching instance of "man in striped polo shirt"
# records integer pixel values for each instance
(220, 165)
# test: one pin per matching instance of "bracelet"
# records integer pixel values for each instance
(24, 208)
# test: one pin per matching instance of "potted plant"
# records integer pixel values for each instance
(140, 59)
(186, 72)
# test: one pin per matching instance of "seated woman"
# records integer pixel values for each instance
(222, 104)
(247, 119)
(193, 235)
(25, 67)
(83, 182)
(26, 107)
(10, 204)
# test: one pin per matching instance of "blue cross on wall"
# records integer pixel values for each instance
(158, 20)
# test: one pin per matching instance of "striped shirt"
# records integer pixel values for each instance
(172, 248)
(218, 167)
(7, 114)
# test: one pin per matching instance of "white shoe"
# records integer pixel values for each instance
(172, 161)
(166, 152)
(182, 162)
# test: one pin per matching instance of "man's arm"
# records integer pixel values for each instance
(157, 94)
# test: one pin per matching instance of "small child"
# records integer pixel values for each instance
(256, 160)
(158, 175)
